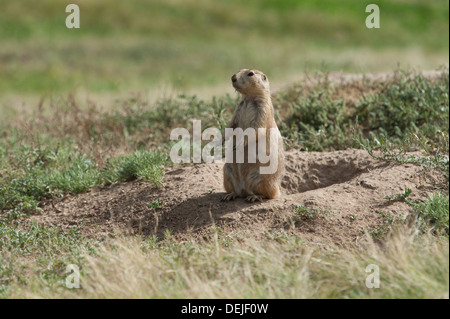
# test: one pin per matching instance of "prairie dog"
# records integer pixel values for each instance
(255, 110)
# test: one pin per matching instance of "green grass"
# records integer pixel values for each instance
(34, 174)
(308, 213)
(132, 45)
(385, 228)
(38, 253)
(156, 204)
(400, 197)
(433, 213)
(142, 164)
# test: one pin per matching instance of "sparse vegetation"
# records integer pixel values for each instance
(381, 231)
(406, 111)
(433, 214)
(309, 213)
(156, 204)
(400, 197)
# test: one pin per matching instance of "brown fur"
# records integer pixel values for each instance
(254, 110)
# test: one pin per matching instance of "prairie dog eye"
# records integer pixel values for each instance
(251, 74)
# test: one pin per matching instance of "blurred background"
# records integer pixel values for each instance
(188, 45)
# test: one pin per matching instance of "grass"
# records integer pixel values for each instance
(142, 164)
(35, 174)
(156, 204)
(38, 253)
(173, 43)
(433, 213)
(400, 197)
(308, 213)
(410, 267)
(385, 228)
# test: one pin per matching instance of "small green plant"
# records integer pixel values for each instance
(167, 234)
(216, 229)
(306, 212)
(434, 213)
(157, 204)
(399, 197)
(382, 230)
(434, 154)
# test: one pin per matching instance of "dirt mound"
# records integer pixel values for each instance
(343, 191)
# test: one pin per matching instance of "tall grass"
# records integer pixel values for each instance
(409, 267)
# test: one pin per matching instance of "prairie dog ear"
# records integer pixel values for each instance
(264, 77)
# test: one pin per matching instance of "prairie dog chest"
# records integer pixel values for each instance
(245, 114)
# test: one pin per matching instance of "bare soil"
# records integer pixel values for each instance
(347, 189)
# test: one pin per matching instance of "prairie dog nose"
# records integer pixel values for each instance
(233, 78)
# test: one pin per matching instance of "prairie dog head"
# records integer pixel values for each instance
(251, 82)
